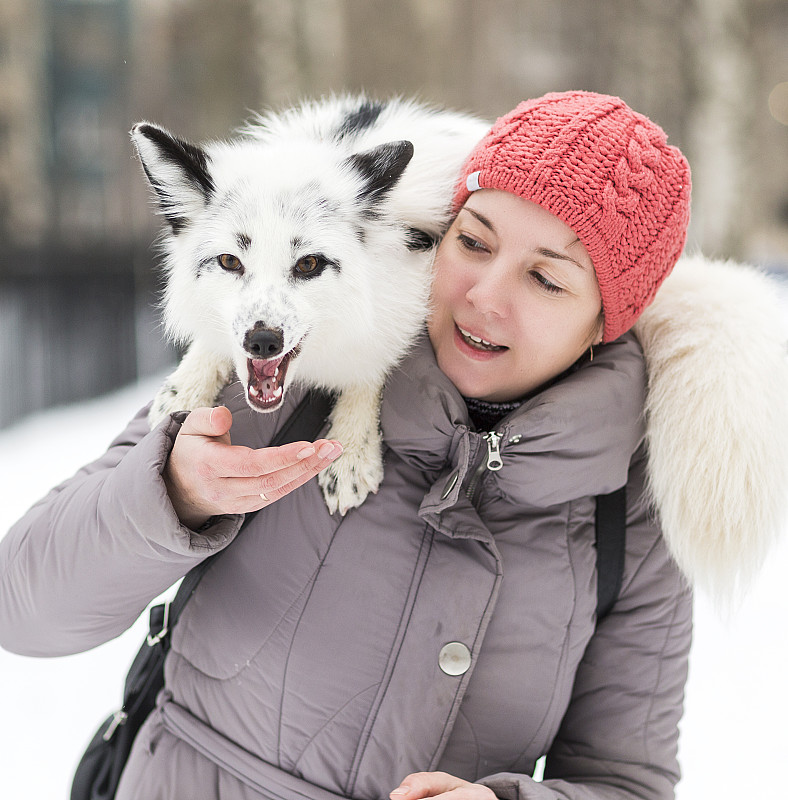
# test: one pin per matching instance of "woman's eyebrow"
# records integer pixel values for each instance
(547, 253)
(484, 221)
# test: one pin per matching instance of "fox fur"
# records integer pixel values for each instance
(717, 419)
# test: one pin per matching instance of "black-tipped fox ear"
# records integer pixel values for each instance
(381, 168)
(176, 170)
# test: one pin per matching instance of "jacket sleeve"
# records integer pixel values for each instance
(619, 736)
(84, 562)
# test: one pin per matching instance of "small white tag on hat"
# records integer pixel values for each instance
(472, 181)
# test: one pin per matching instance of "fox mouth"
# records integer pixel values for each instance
(266, 386)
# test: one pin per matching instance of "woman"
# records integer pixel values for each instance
(442, 637)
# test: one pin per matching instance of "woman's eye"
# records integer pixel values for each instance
(230, 262)
(546, 284)
(309, 265)
(469, 243)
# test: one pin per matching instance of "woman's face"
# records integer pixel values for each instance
(515, 300)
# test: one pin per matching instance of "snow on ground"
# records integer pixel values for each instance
(734, 734)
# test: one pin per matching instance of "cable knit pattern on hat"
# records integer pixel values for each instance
(609, 174)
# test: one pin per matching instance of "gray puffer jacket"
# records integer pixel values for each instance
(448, 623)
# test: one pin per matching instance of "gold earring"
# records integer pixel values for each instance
(591, 353)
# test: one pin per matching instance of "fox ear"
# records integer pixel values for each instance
(176, 170)
(381, 168)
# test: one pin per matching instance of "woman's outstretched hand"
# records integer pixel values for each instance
(422, 785)
(206, 475)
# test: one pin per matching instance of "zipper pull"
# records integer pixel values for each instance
(118, 718)
(494, 461)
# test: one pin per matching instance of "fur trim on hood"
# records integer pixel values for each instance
(717, 427)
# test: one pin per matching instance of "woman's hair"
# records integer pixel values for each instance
(609, 174)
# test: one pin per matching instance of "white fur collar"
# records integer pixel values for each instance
(717, 419)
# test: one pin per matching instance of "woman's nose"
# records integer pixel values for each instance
(489, 293)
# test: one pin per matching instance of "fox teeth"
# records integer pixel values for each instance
(476, 339)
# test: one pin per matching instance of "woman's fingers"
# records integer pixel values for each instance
(290, 459)
(422, 785)
(206, 475)
(281, 480)
(213, 422)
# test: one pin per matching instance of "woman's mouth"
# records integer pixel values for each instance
(477, 343)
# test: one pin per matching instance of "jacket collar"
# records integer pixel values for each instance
(574, 439)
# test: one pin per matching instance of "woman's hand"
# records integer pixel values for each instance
(439, 784)
(206, 475)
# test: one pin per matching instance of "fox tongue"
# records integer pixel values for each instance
(266, 369)
(267, 380)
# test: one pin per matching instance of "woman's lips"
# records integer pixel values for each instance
(475, 346)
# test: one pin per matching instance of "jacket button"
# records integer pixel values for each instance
(454, 658)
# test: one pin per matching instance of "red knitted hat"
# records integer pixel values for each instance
(607, 172)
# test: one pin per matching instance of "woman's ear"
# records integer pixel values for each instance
(600, 328)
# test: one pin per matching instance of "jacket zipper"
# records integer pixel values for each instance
(492, 462)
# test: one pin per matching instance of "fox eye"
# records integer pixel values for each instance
(230, 263)
(309, 266)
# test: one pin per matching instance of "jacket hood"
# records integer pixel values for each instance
(717, 428)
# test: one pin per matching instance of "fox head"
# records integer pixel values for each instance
(268, 250)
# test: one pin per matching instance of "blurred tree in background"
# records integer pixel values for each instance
(77, 271)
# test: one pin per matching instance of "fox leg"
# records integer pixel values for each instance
(355, 423)
(195, 383)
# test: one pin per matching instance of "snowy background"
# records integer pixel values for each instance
(734, 736)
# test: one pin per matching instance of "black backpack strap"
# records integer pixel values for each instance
(306, 422)
(611, 539)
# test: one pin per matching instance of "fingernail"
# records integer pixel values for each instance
(326, 450)
(305, 453)
(401, 790)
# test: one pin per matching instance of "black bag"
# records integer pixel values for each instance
(98, 772)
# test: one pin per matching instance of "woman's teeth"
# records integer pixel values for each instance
(477, 341)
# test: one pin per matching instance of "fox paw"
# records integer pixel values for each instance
(196, 383)
(347, 481)
(167, 401)
(171, 398)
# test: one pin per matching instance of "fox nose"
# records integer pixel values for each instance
(264, 343)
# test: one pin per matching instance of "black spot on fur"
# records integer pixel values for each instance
(326, 205)
(359, 120)
(381, 168)
(296, 243)
(176, 222)
(244, 242)
(420, 240)
(203, 266)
